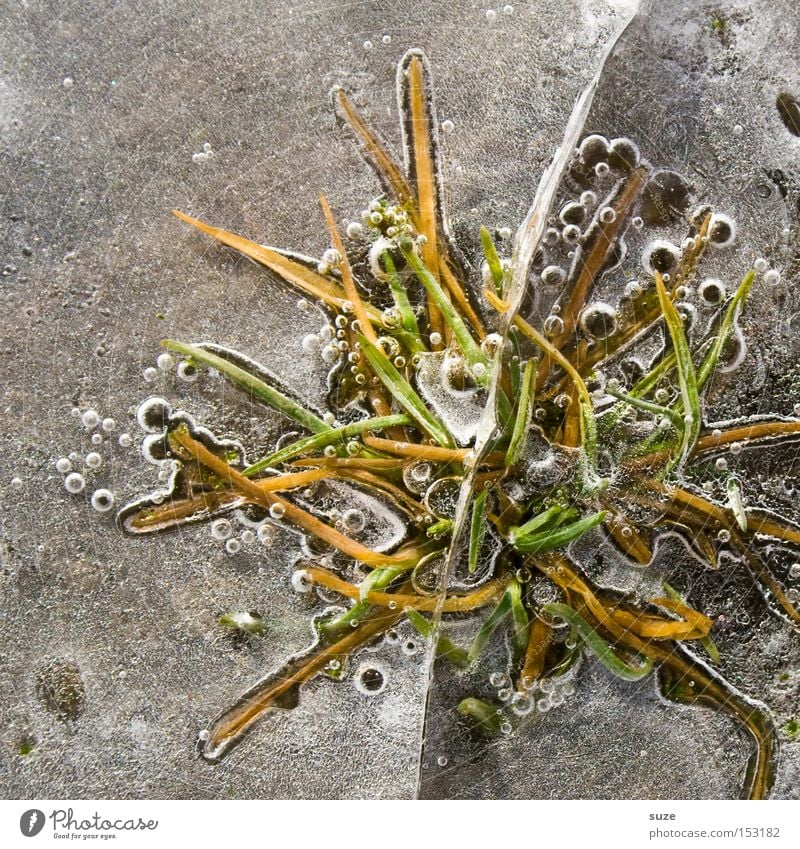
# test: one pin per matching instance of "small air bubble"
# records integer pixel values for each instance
(233, 546)
(74, 483)
(125, 440)
(187, 371)
(277, 511)
(90, 419)
(301, 581)
(370, 680)
(165, 361)
(221, 529)
(93, 460)
(150, 374)
(63, 465)
(108, 425)
(102, 500)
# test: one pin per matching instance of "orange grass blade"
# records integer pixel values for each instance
(293, 514)
(375, 151)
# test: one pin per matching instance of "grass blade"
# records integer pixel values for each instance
(519, 619)
(445, 648)
(484, 715)
(552, 517)
(321, 440)
(405, 395)
(489, 626)
(470, 348)
(687, 378)
(523, 417)
(558, 537)
(493, 261)
(598, 645)
(726, 326)
(263, 391)
(477, 528)
(588, 424)
(408, 320)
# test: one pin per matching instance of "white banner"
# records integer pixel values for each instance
(385, 825)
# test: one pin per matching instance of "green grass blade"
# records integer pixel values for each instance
(520, 622)
(489, 626)
(263, 391)
(687, 378)
(471, 349)
(493, 261)
(477, 528)
(648, 407)
(379, 579)
(523, 416)
(408, 321)
(322, 440)
(558, 537)
(403, 392)
(598, 645)
(537, 523)
(445, 648)
(484, 715)
(726, 326)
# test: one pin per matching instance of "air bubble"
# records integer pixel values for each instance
(354, 520)
(572, 213)
(712, 291)
(721, 231)
(311, 343)
(153, 414)
(125, 440)
(553, 275)
(74, 483)
(277, 511)
(97, 439)
(571, 234)
(370, 680)
(187, 371)
(608, 215)
(102, 500)
(498, 679)
(150, 374)
(553, 325)
(93, 460)
(660, 256)
(441, 760)
(448, 127)
(90, 419)
(108, 425)
(301, 581)
(233, 546)
(63, 465)
(165, 361)
(599, 320)
(221, 529)
(772, 277)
